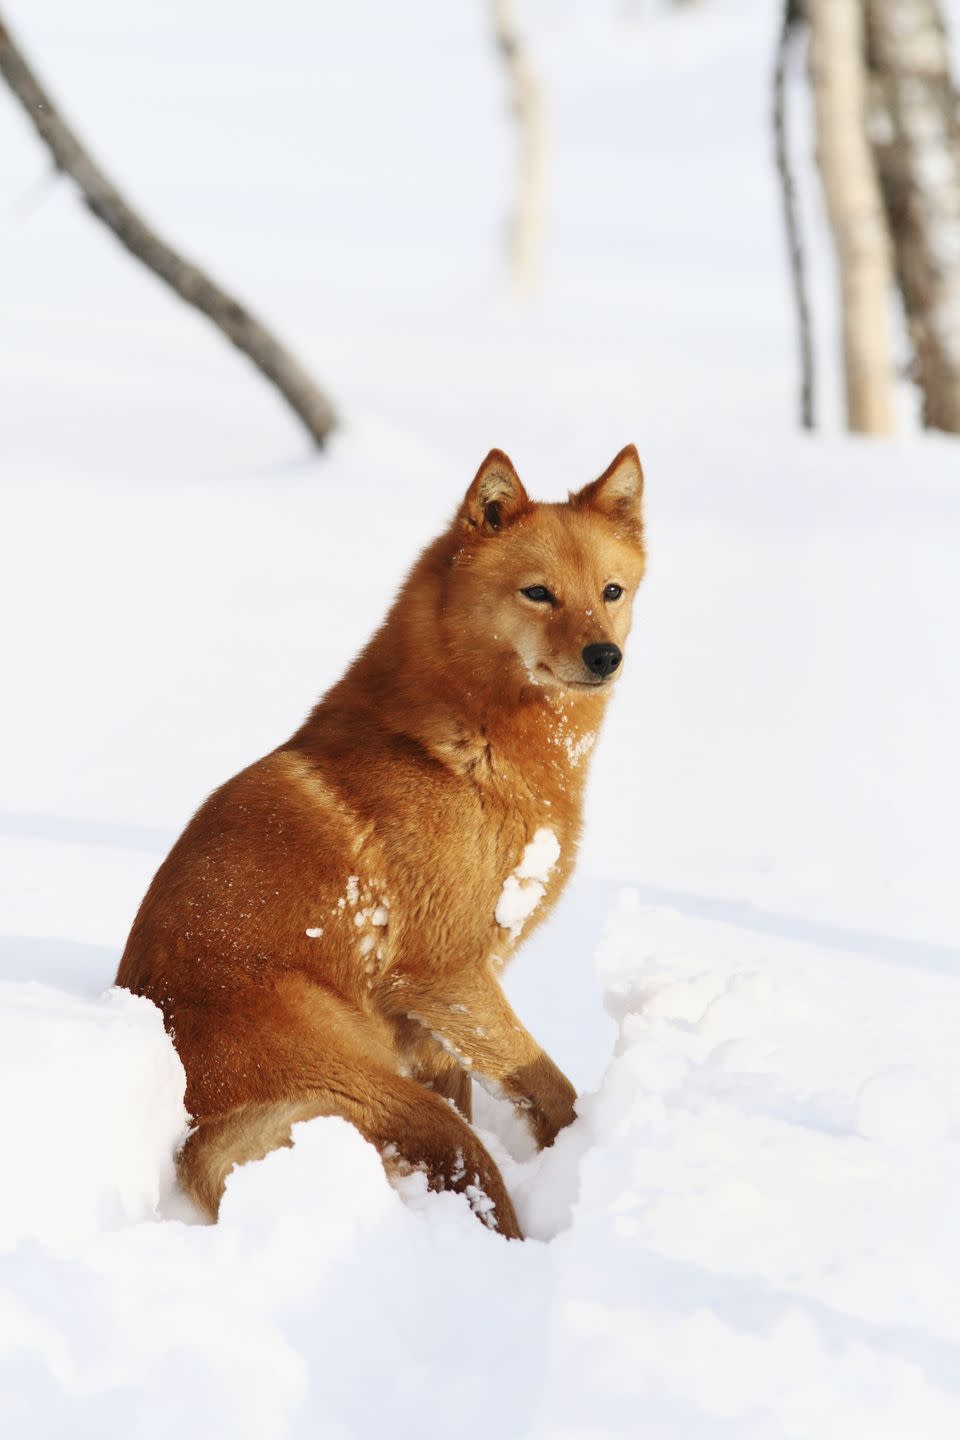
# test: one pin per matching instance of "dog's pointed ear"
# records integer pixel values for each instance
(496, 496)
(618, 493)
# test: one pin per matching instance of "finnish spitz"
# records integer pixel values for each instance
(326, 936)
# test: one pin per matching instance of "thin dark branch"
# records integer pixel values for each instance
(792, 18)
(191, 283)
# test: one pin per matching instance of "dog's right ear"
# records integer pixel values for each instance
(618, 493)
(496, 496)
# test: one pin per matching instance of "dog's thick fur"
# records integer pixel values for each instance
(326, 935)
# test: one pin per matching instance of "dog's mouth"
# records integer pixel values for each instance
(563, 683)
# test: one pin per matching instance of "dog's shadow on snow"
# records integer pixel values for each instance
(742, 915)
(56, 960)
(66, 830)
(70, 965)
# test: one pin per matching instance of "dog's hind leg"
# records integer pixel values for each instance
(412, 1127)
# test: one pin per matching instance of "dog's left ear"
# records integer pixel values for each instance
(618, 493)
(496, 496)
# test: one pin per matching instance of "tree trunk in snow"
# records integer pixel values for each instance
(525, 238)
(917, 144)
(855, 209)
(104, 200)
(788, 191)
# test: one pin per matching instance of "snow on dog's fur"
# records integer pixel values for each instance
(325, 936)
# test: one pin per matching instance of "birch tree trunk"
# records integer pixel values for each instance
(855, 210)
(917, 144)
(525, 235)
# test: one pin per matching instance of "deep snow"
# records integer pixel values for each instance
(754, 978)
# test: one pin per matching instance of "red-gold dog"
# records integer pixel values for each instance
(326, 935)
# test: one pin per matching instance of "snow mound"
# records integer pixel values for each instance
(89, 1145)
(731, 1238)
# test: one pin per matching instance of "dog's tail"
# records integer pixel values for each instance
(248, 1133)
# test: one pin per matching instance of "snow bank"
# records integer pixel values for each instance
(97, 1110)
(776, 1260)
(727, 1241)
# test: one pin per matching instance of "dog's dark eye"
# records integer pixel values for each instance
(612, 592)
(540, 593)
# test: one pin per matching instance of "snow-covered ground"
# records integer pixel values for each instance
(754, 978)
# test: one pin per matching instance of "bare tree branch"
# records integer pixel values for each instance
(191, 283)
(792, 17)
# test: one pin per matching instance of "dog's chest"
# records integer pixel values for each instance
(502, 836)
(524, 850)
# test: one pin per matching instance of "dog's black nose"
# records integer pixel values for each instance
(602, 659)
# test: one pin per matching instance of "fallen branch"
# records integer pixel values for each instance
(190, 282)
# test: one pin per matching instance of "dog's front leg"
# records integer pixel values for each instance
(469, 1015)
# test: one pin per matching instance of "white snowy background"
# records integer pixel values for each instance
(751, 1230)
